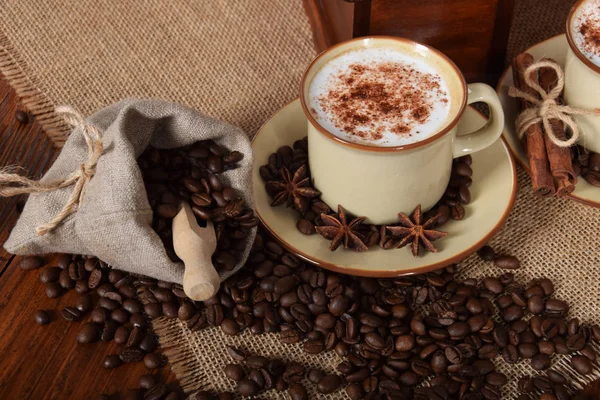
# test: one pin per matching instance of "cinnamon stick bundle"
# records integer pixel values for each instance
(559, 158)
(541, 178)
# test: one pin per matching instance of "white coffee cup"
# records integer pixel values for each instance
(379, 182)
(582, 84)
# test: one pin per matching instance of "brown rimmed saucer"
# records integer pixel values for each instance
(555, 48)
(493, 194)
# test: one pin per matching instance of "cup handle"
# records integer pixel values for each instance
(486, 136)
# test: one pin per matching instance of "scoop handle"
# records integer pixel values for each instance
(195, 246)
(200, 279)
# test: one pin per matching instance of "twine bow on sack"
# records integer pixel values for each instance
(13, 184)
(547, 107)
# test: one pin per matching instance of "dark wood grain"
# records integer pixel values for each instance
(332, 21)
(43, 362)
(473, 33)
(23, 145)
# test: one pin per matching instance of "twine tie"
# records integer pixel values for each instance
(546, 107)
(12, 184)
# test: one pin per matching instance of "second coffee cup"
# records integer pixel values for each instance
(382, 125)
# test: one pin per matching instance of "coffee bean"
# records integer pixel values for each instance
(168, 211)
(555, 377)
(458, 330)
(542, 383)
(170, 311)
(108, 331)
(257, 362)
(527, 350)
(108, 303)
(511, 355)
(313, 346)
(88, 333)
(42, 317)
(234, 372)
(305, 226)
(493, 285)
(120, 315)
(507, 262)
(112, 361)
(405, 343)
(135, 337)
(247, 387)
(71, 314)
(130, 355)
(486, 253)
(540, 362)
(525, 384)
(284, 285)
(556, 306)
(53, 290)
(230, 327)
(487, 352)
(236, 354)
(329, 384)
(354, 391)
(65, 281)
(157, 392)
(535, 304)
(497, 379)
(154, 360)
(50, 274)
(513, 313)
(147, 381)
(153, 310)
(121, 335)
(31, 262)
(149, 343)
(575, 342)
(582, 364)
(297, 392)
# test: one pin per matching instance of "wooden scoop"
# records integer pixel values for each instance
(195, 246)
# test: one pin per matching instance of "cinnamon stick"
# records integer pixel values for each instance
(541, 178)
(559, 158)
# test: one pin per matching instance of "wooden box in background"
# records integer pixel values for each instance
(473, 33)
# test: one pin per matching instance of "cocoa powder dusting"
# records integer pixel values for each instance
(366, 100)
(589, 29)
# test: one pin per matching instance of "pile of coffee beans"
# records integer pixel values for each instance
(191, 174)
(254, 374)
(586, 164)
(392, 334)
(449, 207)
(552, 386)
(108, 309)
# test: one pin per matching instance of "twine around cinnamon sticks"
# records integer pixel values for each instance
(544, 122)
(12, 184)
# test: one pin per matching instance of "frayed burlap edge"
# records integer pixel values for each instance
(21, 79)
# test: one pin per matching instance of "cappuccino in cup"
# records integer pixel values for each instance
(586, 30)
(383, 117)
(380, 96)
(582, 69)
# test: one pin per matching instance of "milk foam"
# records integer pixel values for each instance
(379, 96)
(588, 17)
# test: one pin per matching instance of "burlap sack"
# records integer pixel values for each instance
(113, 221)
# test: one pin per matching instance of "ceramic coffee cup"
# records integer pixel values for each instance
(378, 182)
(582, 80)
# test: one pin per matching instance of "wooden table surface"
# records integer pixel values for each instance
(44, 362)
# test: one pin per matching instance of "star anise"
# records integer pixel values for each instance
(338, 229)
(416, 232)
(293, 189)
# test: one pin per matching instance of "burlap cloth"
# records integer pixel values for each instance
(241, 61)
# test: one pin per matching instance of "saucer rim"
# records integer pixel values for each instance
(405, 272)
(513, 152)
